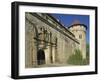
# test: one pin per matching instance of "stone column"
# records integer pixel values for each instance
(53, 53)
(48, 54)
(34, 55)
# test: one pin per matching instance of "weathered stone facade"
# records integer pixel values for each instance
(48, 42)
(79, 30)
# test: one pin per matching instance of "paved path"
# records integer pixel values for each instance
(53, 65)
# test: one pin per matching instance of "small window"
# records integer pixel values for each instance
(80, 36)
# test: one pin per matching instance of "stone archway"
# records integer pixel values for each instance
(40, 57)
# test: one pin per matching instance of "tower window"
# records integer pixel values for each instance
(80, 36)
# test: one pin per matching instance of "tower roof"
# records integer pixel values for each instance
(76, 23)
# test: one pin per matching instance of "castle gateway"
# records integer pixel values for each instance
(49, 43)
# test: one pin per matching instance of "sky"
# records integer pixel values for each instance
(68, 19)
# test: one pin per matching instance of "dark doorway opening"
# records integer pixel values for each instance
(41, 57)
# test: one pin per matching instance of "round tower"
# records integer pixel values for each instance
(79, 30)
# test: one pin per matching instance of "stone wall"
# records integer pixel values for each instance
(56, 42)
(80, 34)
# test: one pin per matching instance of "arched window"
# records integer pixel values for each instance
(80, 36)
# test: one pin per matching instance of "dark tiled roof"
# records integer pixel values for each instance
(77, 25)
